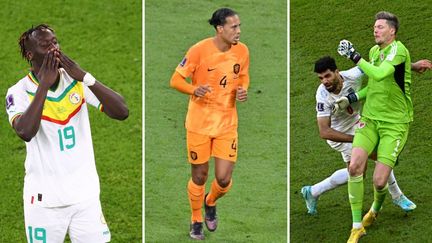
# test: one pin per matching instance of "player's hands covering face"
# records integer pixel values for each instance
(71, 67)
(47, 74)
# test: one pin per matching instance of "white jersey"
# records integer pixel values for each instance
(342, 121)
(60, 166)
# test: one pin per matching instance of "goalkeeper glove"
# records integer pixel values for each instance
(343, 102)
(346, 49)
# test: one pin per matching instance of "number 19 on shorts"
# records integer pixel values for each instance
(36, 235)
(66, 138)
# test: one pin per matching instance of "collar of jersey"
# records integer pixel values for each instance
(61, 96)
(388, 46)
(34, 79)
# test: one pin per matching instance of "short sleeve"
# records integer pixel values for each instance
(17, 102)
(92, 99)
(189, 63)
(244, 73)
(323, 106)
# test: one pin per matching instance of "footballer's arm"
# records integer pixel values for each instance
(179, 83)
(328, 133)
(27, 124)
(113, 103)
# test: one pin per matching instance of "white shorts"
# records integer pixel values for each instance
(84, 222)
(343, 148)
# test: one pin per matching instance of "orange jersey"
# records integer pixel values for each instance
(224, 72)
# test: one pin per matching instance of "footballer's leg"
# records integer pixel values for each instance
(224, 151)
(199, 147)
(380, 178)
(311, 193)
(392, 140)
(196, 190)
(397, 195)
(88, 223)
(219, 187)
(365, 140)
(356, 191)
(45, 224)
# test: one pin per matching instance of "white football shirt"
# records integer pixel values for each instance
(60, 166)
(342, 121)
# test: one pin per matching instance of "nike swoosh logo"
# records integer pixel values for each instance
(231, 155)
(210, 69)
(350, 196)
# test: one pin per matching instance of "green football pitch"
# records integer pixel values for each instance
(105, 38)
(255, 210)
(316, 27)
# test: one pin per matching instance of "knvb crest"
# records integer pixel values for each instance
(183, 62)
(236, 68)
(193, 155)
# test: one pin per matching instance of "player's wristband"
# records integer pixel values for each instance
(355, 57)
(89, 80)
(352, 97)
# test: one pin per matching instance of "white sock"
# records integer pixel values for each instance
(393, 187)
(338, 178)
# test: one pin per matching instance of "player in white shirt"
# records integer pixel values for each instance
(48, 110)
(338, 129)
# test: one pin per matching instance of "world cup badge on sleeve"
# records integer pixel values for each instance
(320, 106)
(183, 62)
(9, 101)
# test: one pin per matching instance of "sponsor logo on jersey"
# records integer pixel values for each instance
(381, 56)
(9, 101)
(183, 62)
(61, 109)
(74, 98)
(360, 125)
(320, 106)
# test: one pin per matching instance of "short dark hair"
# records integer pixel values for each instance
(23, 41)
(220, 15)
(392, 19)
(325, 63)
